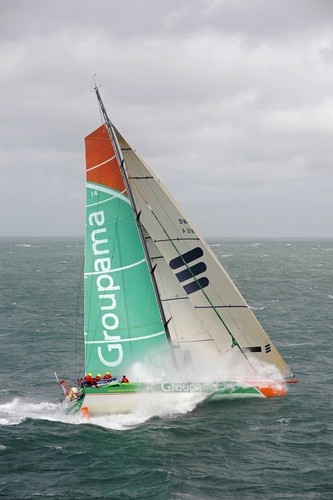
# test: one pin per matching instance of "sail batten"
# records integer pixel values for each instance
(101, 164)
(133, 339)
(220, 307)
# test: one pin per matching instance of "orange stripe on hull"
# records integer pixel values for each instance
(272, 391)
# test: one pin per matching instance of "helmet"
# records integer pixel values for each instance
(90, 374)
(107, 373)
(98, 375)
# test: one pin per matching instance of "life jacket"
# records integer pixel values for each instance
(88, 378)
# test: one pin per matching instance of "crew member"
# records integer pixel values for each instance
(124, 380)
(89, 381)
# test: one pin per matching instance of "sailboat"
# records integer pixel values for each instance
(159, 306)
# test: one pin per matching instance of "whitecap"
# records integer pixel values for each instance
(54, 447)
(284, 421)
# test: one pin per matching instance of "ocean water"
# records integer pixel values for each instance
(251, 449)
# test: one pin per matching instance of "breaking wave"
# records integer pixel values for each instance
(151, 406)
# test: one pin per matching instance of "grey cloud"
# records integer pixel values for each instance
(229, 102)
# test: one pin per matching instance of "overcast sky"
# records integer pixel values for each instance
(229, 101)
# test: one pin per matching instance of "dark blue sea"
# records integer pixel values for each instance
(245, 449)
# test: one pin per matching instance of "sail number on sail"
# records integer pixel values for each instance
(187, 229)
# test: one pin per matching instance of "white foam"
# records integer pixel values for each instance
(151, 405)
(17, 411)
(207, 369)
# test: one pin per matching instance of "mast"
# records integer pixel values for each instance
(123, 170)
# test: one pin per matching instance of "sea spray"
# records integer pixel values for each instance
(151, 406)
(17, 411)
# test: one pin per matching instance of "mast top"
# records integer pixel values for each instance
(102, 108)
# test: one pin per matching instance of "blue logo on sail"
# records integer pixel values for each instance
(190, 272)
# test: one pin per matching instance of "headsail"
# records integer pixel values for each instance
(122, 319)
(195, 278)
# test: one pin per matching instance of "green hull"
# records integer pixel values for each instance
(74, 406)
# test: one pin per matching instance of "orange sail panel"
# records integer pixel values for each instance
(101, 161)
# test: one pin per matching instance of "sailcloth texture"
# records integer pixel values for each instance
(205, 310)
(122, 319)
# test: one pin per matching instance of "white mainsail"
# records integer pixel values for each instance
(198, 297)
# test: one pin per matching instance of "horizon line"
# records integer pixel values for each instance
(206, 237)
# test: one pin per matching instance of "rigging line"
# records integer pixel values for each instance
(234, 341)
(138, 189)
(78, 300)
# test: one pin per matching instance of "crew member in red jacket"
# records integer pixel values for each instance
(89, 381)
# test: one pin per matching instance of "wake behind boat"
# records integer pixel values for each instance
(158, 303)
